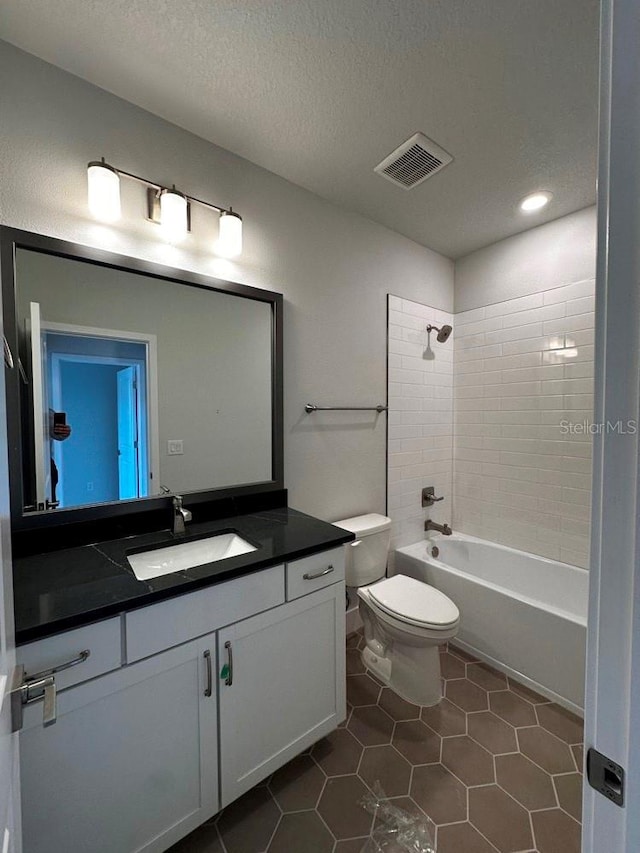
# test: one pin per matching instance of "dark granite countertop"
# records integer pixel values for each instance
(64, 589)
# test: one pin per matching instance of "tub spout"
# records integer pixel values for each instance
(441, 528)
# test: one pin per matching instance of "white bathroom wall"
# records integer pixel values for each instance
(546, 256)
(334, 268)
(420, 394)
(524, 390)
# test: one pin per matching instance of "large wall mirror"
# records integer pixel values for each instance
(126, 380)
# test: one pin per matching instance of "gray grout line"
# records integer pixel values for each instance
(535, 709)
(222, 844)
(273, 834)
(467, 806)
(357, 773)
(344, 775)
(533, 834)
(482, 835)
(559, 808)
(328, 827)
(319, 767)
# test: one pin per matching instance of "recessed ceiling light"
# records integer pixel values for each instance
(535, 201)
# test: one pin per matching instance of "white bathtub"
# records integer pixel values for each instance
(526, 615)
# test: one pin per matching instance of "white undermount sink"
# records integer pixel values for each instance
(187, 555)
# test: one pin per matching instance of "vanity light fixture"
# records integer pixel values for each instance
(535, 201)
(174, 216)
(103, 185)
(229, 243)
(166, 206)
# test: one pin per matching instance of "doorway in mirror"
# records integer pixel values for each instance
(93, 420)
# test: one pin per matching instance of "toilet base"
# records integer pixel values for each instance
(378, 666)
(413, 672)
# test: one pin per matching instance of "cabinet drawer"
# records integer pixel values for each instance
(178, 620)
(314, 572)
(101, 639)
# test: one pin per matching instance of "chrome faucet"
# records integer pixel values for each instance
(180, 514)
(441, 528)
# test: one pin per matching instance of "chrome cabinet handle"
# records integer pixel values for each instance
(309, 577)
(208, 690)
(229, 679)
(43, 689)
(60, 668)
(49, 704)
(27, 691)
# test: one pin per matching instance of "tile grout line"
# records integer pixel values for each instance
(220, 840)
(273, 834)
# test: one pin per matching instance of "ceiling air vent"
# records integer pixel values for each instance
(413, 162)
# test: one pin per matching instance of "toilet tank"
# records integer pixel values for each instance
(366, 558)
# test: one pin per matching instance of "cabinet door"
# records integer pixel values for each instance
(286, 690)
(130, 764)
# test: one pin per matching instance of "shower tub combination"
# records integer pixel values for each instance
(525, 615)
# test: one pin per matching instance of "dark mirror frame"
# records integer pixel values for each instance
(11, 240)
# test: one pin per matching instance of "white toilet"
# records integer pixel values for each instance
(405, 620)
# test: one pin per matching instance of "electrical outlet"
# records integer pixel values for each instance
(175, 447)
(89, 487)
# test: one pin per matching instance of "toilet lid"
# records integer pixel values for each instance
(415, 602)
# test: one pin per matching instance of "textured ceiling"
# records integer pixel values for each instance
(319, 91)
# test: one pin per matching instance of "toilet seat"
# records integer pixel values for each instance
(414, 603)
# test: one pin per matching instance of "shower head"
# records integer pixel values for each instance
(443, 332)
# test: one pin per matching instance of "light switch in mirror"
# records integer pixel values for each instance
(130, 381)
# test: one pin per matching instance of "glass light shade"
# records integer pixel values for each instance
(536, 201)
(229, 243)
(173, 214)
(103, 185)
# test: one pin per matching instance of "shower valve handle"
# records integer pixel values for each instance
(429, 496)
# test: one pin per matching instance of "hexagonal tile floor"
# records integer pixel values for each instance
(493, 768)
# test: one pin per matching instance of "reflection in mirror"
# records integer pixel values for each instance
(132, 382)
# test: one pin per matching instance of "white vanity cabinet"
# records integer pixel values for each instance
(131, 762)
(217, 689)
(285, 687)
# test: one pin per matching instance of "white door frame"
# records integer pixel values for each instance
(40, 413)
(151, 341)
(10, 818)
(613, 647)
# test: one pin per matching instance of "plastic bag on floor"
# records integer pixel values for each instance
(394, 829)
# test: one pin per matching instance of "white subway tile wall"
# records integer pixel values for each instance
(523, 371)
(485, 419)
(420, 439)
